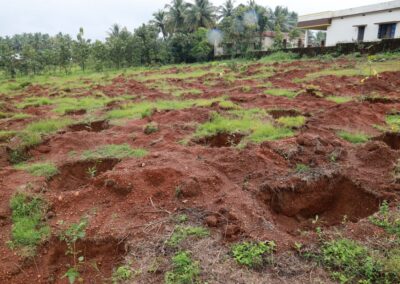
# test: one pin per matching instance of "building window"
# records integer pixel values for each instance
(387, 30)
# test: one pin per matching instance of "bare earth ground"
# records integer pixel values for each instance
(239, 193)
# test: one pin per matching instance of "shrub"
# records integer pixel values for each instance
(252, 254)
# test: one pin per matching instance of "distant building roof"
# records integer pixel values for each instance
(324, 19)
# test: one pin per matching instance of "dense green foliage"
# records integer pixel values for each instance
(182, 32)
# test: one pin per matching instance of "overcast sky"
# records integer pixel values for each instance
(96, 16)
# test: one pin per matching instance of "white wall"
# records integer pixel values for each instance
(343, 30)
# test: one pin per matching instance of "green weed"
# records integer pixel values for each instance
(122, 273)
(184, 270)
(252, 254)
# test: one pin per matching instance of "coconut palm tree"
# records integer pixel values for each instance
(285, 19)
(200, 14)
(160, 21)
(176, 15)
(226, 9)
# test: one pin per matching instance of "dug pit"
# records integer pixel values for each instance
(100, 258)
(332, 199)
(76, 174)
(221, 140)
(392, 139)
(278, 113)
(94, 126)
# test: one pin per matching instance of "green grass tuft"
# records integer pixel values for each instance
(114, 151)
(246, 122)
(47, 126)
(28, 229)
(292, 121)
(281, 93)
(339, 100)
(39, 169)
(355, 138)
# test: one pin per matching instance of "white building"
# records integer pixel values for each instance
(367, 23)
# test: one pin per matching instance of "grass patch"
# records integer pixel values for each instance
(47, 126)
(65, 105)
(279, 56)
(6, 135)
(146, 108)
(281, 93)
(247, 122)
(114, 151)
(394, 122)
(339, 100)
(355, 138)
(181, 233)
(28, 229)
(251, 254)
(184, 270)
(46, 170)
(34, 101)
(292, 121)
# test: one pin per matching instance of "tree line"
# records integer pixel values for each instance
(181, 32)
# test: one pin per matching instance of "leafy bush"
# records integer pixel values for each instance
(252, 254)
(184, 271)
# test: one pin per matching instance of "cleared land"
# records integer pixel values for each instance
(269, 171)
